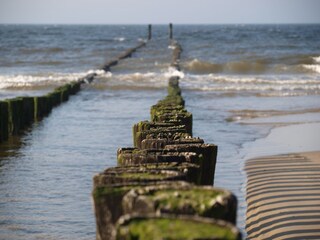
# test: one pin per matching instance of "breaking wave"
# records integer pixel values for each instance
(253, 85)
(119, 39)
(315, 66)
(284, 65)
(173, 72)
(44, 80)
(37, 81)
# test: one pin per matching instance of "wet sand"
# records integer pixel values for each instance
(283, 196)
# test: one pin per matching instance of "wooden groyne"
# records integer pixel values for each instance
(19, 113)
(162, 186)
(128, 53)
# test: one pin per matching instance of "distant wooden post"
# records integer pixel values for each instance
(149, 31)
(170, 31)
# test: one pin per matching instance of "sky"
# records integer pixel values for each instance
(158, 11)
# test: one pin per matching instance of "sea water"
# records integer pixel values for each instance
(231, 74)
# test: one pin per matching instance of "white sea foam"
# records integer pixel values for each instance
(38, 81)
(100, 72)
(312, 67)
(142, 40)
(119, 39)
(263, 79)
(137, 80)
(316, 59)
(172, 72)
(256, 85)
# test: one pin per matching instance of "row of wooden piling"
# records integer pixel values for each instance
(19, 113)
(128, 53)
(162, 186)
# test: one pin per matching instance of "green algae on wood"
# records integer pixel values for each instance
(207, 161)
(136, 156)
(18, 113)
(43, 106)
(141, 135)
(173, 227)
(159, 141)
(28, 111)
(183, 118)
(15, 110)
(107, 206)
(192, 171)
(182, 199)
(116, 176)
(145, 126)
(4, 120)
(55, 97)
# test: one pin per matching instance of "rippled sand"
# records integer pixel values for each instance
(283, 196)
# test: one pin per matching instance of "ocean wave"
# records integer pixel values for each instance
(313, 67)
(253, 88)
(100, 72)
(297, 65)
(173, 72)
(130, 81)
(257, 80)
(39, 81)
(241, 67)
(119, 39)
(260, 86)
(197, 66)
(316, 59)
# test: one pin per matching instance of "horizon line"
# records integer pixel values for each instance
(282, 23)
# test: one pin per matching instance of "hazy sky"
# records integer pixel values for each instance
(159, 11)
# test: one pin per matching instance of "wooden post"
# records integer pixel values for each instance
(149, 31)
(170, 31)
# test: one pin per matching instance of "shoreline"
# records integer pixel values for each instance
(283, 166)
(285, 139)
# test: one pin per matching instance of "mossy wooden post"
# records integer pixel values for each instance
(146, 125)
(191, 171)
(144, 226)
(28, 110)
(55, 98)
(110, 187)
(179, 198)
(142, 129)
(4, 121)
(43, 106)
(149, 32)
(127, 157)
(170, 31)
(209, 158)
(155, 143)
(75, 87)
(15, 116)
(107, 206)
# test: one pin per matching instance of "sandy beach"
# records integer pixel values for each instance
(283, 190)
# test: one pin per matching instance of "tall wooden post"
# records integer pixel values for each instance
(149, 31)
(170, 31)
